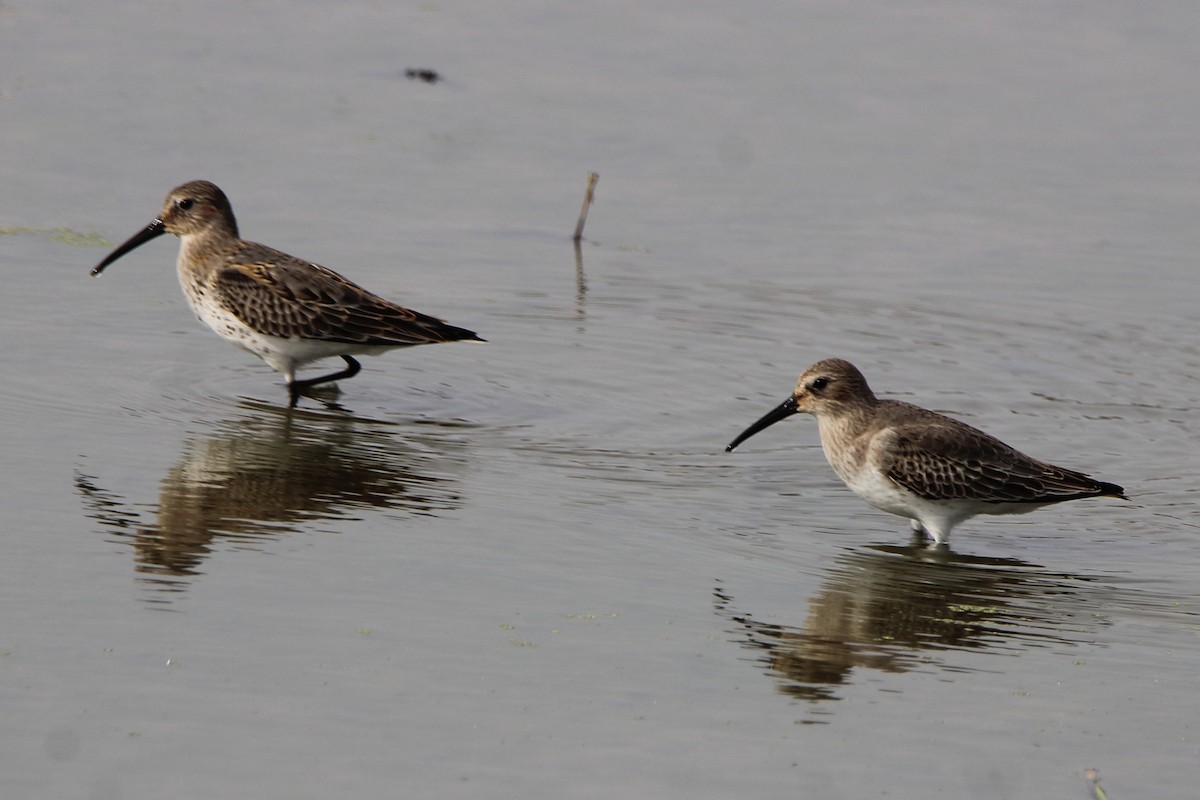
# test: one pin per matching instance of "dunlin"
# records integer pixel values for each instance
(286, 311)
(919, 464)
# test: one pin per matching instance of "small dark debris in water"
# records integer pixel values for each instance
(1093, 777)
(427, 75)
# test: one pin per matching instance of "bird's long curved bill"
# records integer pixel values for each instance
(151, 231)
(782, 411)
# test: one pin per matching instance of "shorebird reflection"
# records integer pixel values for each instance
(270, 474)
(892, 609)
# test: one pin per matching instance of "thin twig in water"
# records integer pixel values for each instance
(587, 202)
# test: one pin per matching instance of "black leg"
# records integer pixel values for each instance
(296, 388)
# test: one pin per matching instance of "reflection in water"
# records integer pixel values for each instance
(891, 608)
(580, 283)
(271, 473)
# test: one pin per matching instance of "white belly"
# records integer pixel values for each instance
(283, 355)
(881, 492)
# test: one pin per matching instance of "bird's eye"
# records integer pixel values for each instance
(186, 203)
(818, 384)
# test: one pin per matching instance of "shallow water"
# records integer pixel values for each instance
(527, 567)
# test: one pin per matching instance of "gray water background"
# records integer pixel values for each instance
(526, 568)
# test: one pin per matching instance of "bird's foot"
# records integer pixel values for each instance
(322, 392)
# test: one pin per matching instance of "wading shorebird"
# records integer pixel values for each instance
(286, 311)
(919, 464)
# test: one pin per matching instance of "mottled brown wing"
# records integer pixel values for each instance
(279, 295)
(957, 462)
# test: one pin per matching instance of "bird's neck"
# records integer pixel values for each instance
(843, 436)
(197, 250)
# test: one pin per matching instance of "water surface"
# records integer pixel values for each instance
(527, 568)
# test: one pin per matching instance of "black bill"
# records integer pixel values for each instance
(782, 411)
(151, 231)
